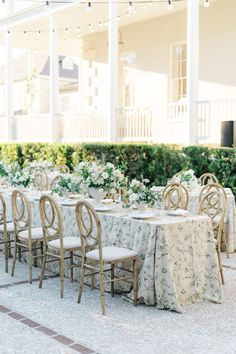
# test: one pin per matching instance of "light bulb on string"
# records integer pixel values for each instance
(170, 5)
(25, 33)
(78, 29)
(206, 3)
(100, 23)
(66, 30)
(47, 3)
(144, 6)
(3, 1)
(39, 33)
(131, 8)
(89, 7)
(118, 18)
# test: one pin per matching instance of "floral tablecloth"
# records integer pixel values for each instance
(177, 261)
(230, 215)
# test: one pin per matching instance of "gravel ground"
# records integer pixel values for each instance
(205, 328)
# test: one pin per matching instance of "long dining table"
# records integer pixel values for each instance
(177, 260)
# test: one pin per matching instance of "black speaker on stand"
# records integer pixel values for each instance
(228, 133)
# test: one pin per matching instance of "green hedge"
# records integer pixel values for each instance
(158, 163)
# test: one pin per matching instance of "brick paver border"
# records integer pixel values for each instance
(70, 343)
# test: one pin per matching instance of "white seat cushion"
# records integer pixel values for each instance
(111, 254)
(36, 233)
(10, 227)
(68, 243)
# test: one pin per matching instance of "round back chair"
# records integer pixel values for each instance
(207, 178)
(55, 181)
(89, 226)
(4, 233)
(63, 169)
(41, 179)
(51, 219)
(21, 212)
(175, 196)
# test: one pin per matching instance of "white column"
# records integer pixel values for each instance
(9, 86)
(54, 80)
(192, 68)
(9, 79)
(113, 70)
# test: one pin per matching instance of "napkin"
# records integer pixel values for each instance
(179, 212)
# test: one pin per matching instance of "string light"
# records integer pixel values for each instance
(47, 3)
(131, 8)
(170, 5)
(206, 3)
(3, 1)
(89, 7)
(66, 30)
(39, 33)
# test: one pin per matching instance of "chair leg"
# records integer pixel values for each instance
(102, 288)
(135, 283)
(71, 269)
(112, 282)
(220, 266)
(14, 259)
(81, 285)
(225, 242)
(6, 252)
(42, 270)
(34, 253)
(61, 265)
(19, 253)
(30, 264)
(42, 252)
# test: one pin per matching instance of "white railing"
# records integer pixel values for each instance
(210, 115)
(134, 124)
(32, 128)
(162, 124)
(89, 126)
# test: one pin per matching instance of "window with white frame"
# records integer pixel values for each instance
(178, 71)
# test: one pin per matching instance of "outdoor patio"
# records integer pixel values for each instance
(206, 328)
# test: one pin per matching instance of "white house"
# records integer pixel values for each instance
(150, 71)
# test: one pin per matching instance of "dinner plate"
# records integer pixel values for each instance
(69, 202)
(142, 214)
(99, 207)
(178, 212)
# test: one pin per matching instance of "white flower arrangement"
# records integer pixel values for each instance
(139, 192)
(188, 179)
(103, 176)
(46, 165)
(19, 178)
(67, 184)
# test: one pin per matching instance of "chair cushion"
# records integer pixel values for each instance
(68, 243)
(111, 254)
(36, 233)
(10, 227)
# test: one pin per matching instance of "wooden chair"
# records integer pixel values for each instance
(26, 236)
(94, 254)
(6, 230)
(175, 196)
(207, 178)
(54, 181)
(41, 179)
(63, 169)
(54, 244)
(213, 203)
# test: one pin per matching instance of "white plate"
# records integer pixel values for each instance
(178, 212)
(104, 207)
(69, 202)
(142, 214)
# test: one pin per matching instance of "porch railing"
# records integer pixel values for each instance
(164, 123)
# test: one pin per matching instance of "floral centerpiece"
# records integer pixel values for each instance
(100, 178)
(44, 164)
(67, 184)
(188, 179)
(21, 178)
(141, 195)
(3, 173)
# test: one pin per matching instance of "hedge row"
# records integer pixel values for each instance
(158, 163)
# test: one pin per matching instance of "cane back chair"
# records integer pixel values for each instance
(213, 203)
(27, 237)
(41, 179)
(175, 196)
(207, 178)
(54, 244)
(95, 257)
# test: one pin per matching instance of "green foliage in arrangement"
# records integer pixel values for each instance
(158, 163)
